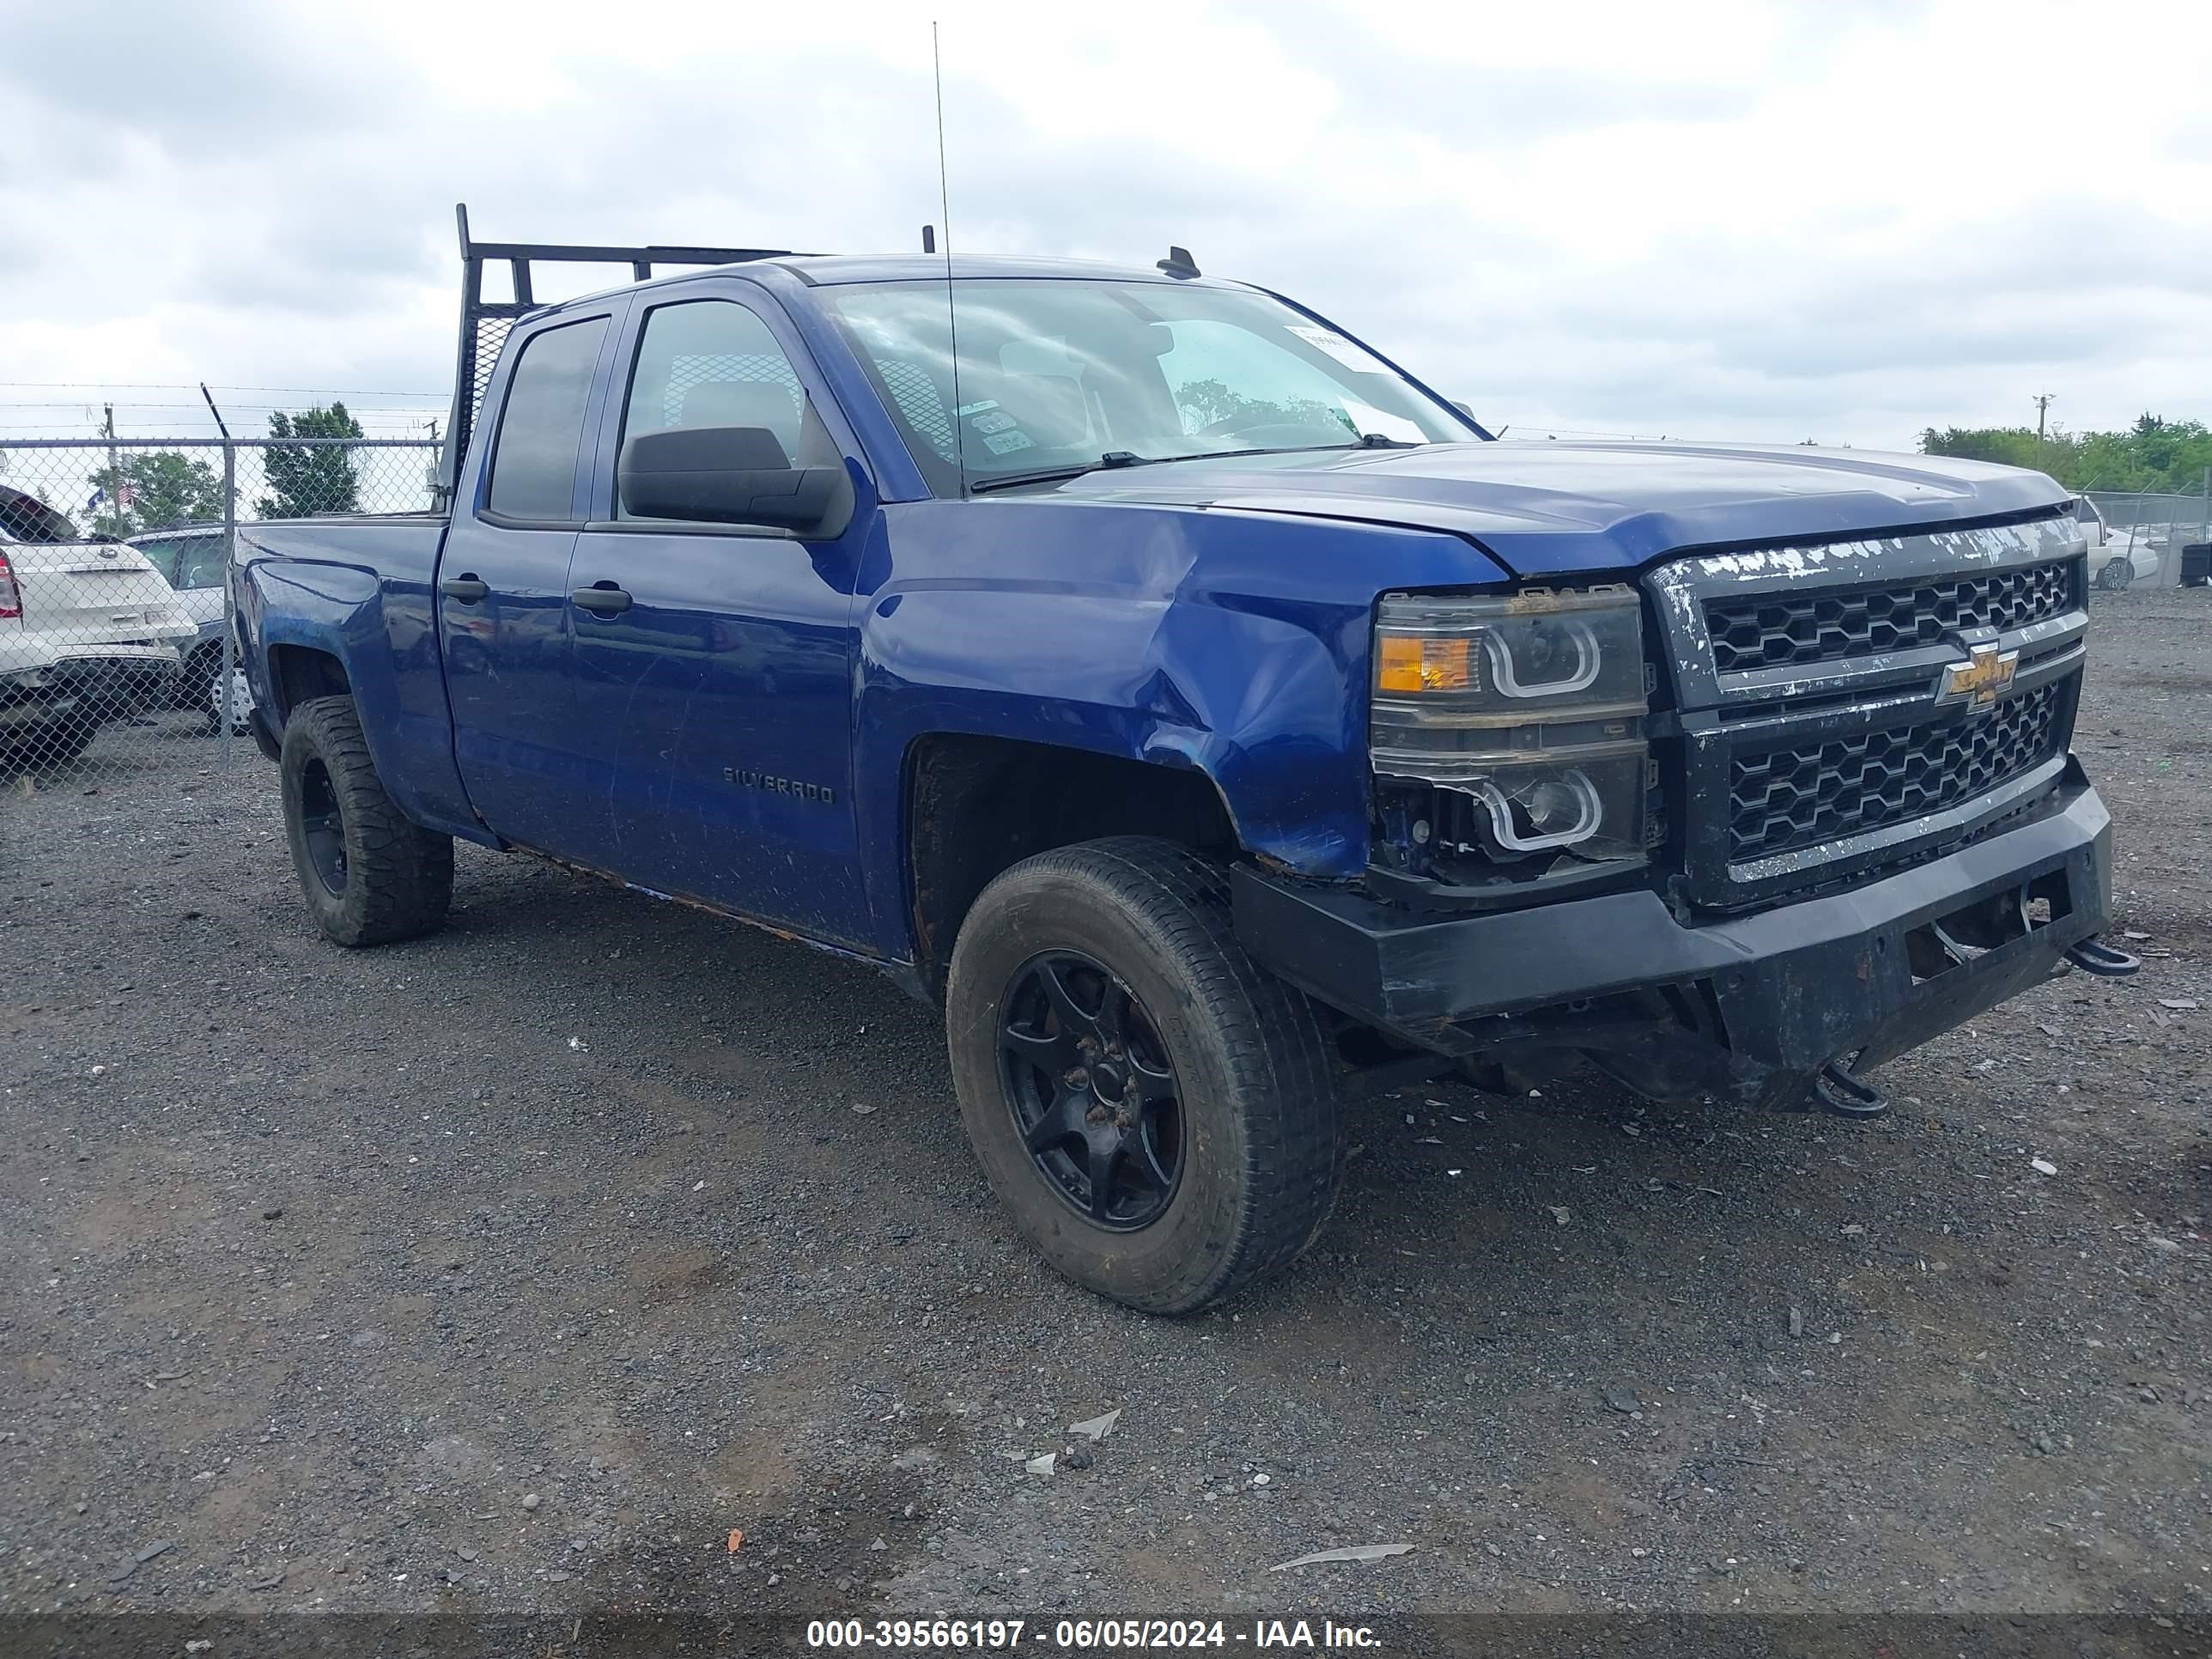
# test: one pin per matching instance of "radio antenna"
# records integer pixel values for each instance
(944, 213)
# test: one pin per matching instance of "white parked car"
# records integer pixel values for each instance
(89, 633)
(2127, 556)
(2094, 529)
(2120, 557)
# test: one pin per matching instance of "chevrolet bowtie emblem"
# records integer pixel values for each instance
(1979, 680)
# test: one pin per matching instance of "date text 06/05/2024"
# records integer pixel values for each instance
(1084, 1634)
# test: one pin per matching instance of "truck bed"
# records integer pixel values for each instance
(401, 546)
(368, 577)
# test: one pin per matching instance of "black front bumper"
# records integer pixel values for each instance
(1750, 1006)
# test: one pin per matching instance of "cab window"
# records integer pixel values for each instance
(533, 462)
(713, 363)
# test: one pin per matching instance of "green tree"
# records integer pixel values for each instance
(304, 481)
(170, 489)
(158, 489)
(2153, 454)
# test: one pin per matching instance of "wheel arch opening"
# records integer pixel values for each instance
(975, 806)
(299, 673)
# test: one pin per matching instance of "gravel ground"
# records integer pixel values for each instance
(514, 1268)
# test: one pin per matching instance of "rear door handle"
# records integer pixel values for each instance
(467, 589)
(603, 600)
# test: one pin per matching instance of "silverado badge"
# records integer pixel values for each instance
(1979, 679)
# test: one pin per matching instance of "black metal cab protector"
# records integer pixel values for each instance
(1865, 827)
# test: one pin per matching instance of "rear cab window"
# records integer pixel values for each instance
(541, 427)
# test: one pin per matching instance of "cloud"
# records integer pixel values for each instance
(1728, 219)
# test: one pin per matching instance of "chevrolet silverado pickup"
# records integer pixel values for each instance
(1205, 713)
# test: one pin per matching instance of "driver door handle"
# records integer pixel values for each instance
(466, 589)
(602, 600)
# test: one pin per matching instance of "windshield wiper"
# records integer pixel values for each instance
(1114, 459)
(1111, 459)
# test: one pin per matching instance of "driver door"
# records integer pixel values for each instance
(713, 663)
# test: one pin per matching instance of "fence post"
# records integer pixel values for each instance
(222, 694)
(224, 697)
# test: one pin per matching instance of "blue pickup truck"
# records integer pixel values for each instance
(1207, 713)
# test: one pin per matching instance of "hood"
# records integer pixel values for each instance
(1546, 508)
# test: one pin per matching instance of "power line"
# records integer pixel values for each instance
(126, 402)
(173, 385)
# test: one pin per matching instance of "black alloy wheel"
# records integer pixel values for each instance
(322, 825)
(1092, 1091)
(1156, 1112)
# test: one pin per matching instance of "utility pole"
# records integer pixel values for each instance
(2042, 403)
(114, 478)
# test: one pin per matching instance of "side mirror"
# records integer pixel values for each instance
(731, 474)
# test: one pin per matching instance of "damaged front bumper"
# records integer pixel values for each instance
(1752, 1007)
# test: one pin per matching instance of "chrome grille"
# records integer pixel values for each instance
(1821, 724)
(1783, 799)
(1766, 630)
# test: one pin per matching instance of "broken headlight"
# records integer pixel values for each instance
(1524, 713)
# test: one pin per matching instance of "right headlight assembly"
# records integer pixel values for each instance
(1530, 709)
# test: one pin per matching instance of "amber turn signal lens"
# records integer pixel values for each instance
(1405, 663)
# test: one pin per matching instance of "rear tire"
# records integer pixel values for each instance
(370, 875)
(2116, 575)
(1211, 1076)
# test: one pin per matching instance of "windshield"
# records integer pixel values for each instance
(162, 555)
(1058, 373)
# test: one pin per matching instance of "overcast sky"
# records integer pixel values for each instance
(1759, 221)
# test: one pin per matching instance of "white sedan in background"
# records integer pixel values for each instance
(2128, 555)
(2116, 557)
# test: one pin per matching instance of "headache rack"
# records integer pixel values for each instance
(484, 323)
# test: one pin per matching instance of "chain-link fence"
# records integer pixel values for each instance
(115, 642)
(2147, 536)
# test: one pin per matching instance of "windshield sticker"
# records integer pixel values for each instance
(1004, 443)
(1335, 345)
(977, 408)
(997, 422)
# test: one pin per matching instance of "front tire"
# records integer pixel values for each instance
(370, 875)
(1158, 1112)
